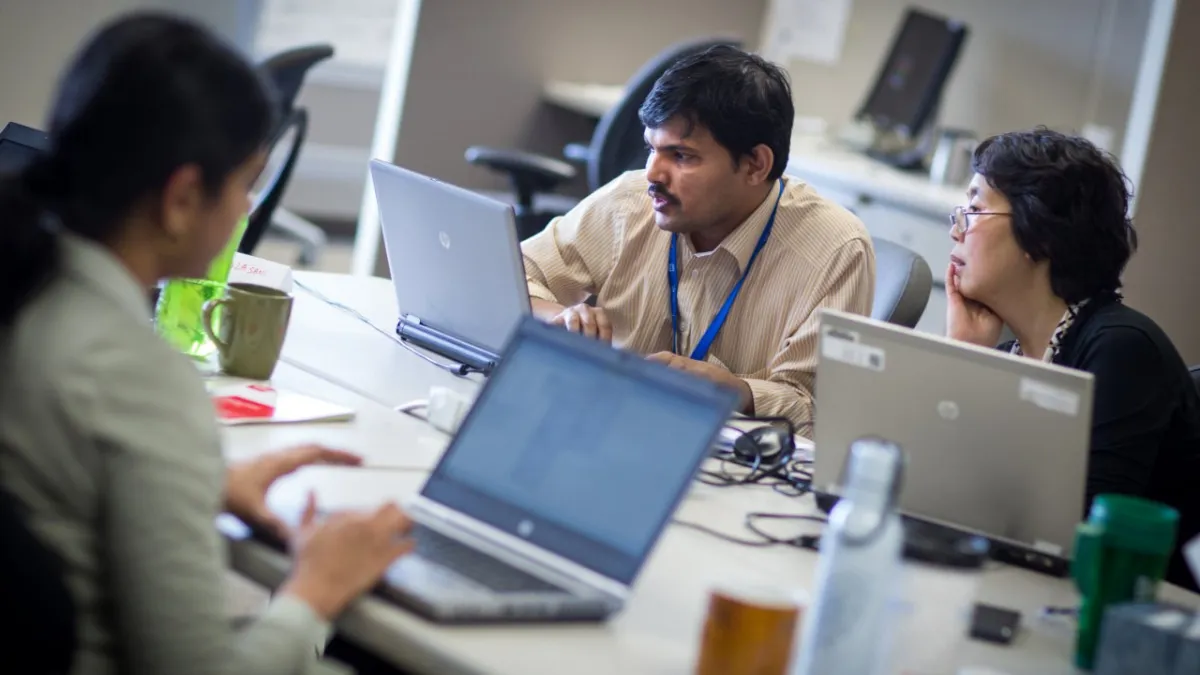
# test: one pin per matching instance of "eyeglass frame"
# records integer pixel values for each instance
(960, 214)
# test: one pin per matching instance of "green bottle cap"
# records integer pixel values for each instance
(1135, 524)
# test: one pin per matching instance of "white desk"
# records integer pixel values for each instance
(588, 99)
(659, 630)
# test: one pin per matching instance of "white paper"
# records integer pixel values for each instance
(808, 30)
(253, 270)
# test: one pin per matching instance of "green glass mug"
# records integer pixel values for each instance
(1121, 554)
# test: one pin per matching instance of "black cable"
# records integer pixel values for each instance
(809, 542)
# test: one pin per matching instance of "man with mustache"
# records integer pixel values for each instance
(710, 260)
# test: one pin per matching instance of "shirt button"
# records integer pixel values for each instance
(695, 273)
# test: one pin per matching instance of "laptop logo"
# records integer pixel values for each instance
(948, 410)
(444, 239)
(525, 528)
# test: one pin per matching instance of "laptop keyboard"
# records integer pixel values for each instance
(475, 565)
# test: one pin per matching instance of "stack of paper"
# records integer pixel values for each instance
(263, 404)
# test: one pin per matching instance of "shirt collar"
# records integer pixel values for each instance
(741, 242)
(95, 265)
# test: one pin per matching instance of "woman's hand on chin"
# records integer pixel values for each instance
(968, 320)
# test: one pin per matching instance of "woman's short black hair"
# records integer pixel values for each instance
(1070, 205)
(742, 99)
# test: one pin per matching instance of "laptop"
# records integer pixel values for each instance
(558, 483)
(996, 444)
(455, 262)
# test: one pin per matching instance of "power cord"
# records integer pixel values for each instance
(460, 369)
(764, 539)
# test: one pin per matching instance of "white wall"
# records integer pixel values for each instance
(1025, 62)
(37, 37)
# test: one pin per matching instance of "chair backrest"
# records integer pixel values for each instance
(617, 145)
(286, 72)
(903, 282)
(38, 609)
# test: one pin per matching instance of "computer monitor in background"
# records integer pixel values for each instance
(20, 145)
(904, 99)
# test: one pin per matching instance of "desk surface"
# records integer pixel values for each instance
(659, 630)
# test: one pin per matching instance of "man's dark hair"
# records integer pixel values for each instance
(742, 99)
(1070, 205)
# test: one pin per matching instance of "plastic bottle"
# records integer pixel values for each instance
(181, 302)
(846, 630)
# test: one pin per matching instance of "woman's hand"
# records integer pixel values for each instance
(246, 483)
(968, 320)
(344, 555)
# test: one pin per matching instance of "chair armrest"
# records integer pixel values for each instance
(543, 173)
(528, 173)
(578, 152)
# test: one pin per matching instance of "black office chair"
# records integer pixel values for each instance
(286, 71)
(616, 146)
(37, 624)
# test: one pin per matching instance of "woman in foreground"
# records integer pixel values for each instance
(1041, 246)
(107, 436)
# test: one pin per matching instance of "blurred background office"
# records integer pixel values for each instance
(419, 82)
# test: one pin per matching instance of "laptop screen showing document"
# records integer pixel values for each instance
(582, 450)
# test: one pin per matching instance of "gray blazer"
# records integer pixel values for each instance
(107, 435)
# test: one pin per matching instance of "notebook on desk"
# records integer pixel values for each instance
(558, 483)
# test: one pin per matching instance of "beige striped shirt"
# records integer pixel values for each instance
(818, 255)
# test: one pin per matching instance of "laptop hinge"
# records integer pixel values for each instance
(411, 329)
(513, 550)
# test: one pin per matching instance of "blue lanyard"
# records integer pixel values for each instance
(700, 353)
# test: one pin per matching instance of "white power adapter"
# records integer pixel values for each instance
(446, 409)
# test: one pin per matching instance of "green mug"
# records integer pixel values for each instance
(249, 330)
(1121, 554)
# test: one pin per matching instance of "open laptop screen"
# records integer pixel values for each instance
(581, 449)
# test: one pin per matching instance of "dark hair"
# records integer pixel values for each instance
(1070, 205)
(742, 99)
(147, 94)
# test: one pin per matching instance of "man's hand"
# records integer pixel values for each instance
(709, 372)
(582, 318)
(246, 483)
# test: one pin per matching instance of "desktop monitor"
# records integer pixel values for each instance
(909, 86)
(19, 145)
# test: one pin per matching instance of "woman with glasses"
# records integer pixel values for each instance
(1040, 247)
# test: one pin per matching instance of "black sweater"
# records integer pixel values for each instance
(1145, 415)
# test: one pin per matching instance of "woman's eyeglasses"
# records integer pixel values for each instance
(959, 223)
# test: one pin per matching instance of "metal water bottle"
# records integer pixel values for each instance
(846, 630)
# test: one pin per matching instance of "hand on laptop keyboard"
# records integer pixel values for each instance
(344, 554)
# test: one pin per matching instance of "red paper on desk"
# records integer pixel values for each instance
(264, 404)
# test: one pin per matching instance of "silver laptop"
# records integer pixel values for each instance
(996, 444)
(558, 483)
(454, 258)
